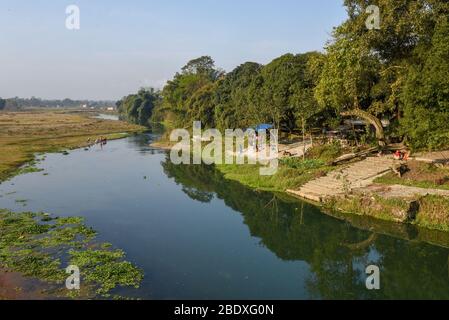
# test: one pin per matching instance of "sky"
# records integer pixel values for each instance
(124, 45)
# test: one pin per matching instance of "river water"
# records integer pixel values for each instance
(103, 116)
(199, 236)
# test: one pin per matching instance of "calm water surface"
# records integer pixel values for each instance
(104, 116)
(197, 236)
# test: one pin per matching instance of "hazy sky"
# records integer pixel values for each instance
(124, 45)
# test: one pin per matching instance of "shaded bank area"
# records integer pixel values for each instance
(337, 249)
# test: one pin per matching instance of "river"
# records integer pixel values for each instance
(104, 116)
(199, 236)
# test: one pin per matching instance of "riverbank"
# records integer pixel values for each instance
(287, 231)
(24, 134)
(363, 188)
(420, 207)
(416, 198)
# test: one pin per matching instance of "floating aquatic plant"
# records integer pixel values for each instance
(41, 246)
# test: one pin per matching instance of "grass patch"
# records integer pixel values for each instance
(421, 175)
(28, 169)
(325, 152)
(396, 210)
(299, 164)
(433, 212)
(392, 179)
(288, 176)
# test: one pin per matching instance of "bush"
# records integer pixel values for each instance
(326, 152)
(300, 164)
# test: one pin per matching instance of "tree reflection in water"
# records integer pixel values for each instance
(336, 251)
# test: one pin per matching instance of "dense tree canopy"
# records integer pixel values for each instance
(426, 95)
(286, 94)
(397, 72)
(138, 108)
(280, 93)
(236, 102)
(2, 104)
(367, 70)
(190, 91)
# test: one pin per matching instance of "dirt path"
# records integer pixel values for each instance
(433, 157)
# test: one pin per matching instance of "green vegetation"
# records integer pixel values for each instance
(30, 167)
(397, 210)
(426, 93)
(297, 163)
(285, 178)
(16, 103)
(292, 173)
(421, 175)
(372, 70)
(397, 73)
(106, 268)
(280, 92)
(296, 231)
(392, 179)
(138, 108)
(433, 212)
(40, 246)
(325, 152)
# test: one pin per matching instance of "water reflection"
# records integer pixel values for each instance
(199, 236)
(336, 251)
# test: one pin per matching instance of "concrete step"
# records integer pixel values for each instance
(329, 186)
(358, 175)
(321, 190)
(321, 193)
(307, 195)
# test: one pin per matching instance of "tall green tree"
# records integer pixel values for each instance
(178, 92)
(201, 105)
(366, 69)
(426, 95)
(287, 91)
(236, 98)
(138, 108)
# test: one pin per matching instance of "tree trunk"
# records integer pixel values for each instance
(380, 135)
(304, 138)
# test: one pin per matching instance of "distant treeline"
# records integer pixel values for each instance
(18, 103)
(396, 74)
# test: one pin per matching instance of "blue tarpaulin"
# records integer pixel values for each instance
(264, 126)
